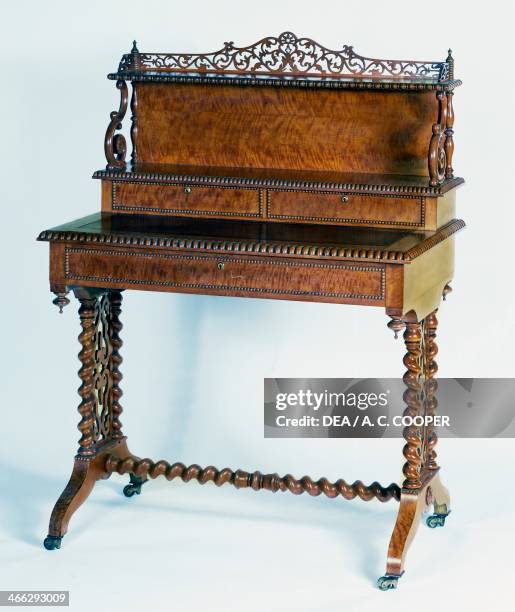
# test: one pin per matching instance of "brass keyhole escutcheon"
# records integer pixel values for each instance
(187, 190)
(220, 265)
(345, 199)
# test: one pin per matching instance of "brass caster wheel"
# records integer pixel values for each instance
(436, 520)
(385, 583)
(52, 542)
(134, 487)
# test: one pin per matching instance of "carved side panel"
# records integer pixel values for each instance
(100, 372)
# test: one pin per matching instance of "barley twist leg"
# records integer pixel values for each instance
(412, 399)
(96, 437)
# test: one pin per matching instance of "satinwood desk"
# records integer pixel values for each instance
(281, 170)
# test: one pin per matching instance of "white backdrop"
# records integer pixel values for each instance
(194, 366)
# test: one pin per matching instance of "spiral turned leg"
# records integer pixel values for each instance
(100, 431)
(430, 389)
(115, 327)
(412, 501)
(437, 494)
(413, 400)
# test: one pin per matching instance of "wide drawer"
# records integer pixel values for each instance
(347, 209)
(184, 199)
(245, 276)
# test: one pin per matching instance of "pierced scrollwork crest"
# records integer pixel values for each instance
(285, 54)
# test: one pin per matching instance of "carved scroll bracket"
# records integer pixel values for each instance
(437, 159)
(449, 140)
(115, 146)
(441, 146)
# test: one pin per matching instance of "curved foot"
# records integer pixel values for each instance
(52, 542)
(84, 476)
(385, 583)
(134, 487)
(436, 520)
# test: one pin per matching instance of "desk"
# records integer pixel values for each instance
(282, 170)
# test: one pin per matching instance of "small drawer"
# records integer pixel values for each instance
(346, 209)
(232, 275)
(187, 200)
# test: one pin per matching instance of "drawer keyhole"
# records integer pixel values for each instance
(187, 190)
(220, 265)
(345, 199)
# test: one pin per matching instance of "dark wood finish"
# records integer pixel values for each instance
(281, 170)
(115, 146)
(275, 60)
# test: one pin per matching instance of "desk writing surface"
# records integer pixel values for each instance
(144, 230)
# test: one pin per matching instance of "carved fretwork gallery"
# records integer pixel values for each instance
(282, 170)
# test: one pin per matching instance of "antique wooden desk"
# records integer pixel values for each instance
(280, 170)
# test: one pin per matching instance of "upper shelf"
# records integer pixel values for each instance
(287, 60)
(305, 180)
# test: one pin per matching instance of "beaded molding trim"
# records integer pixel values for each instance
(255, 246)
(187, 211)
(364, 188)
(171, 256)
(420, 223)
(282, 81)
